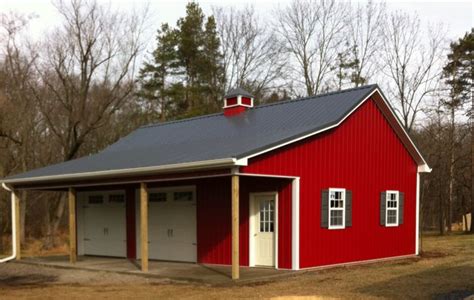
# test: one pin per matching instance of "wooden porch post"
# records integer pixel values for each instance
(235, 227)
(72, 226)
(18, 226)
(144, 226)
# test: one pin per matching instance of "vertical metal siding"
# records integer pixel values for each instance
(365, 156)
(214, 218)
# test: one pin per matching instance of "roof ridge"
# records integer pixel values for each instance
(316, 96)
(262, 106)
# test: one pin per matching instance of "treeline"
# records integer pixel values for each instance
(91, 79)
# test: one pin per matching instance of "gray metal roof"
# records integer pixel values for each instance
(214, 137)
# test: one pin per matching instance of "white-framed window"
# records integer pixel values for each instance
(391, 208)
(336, 208)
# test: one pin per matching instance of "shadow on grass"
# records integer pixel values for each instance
(29, 280)
(438, 283)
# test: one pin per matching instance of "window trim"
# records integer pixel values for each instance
(343, 208)
(396, 209)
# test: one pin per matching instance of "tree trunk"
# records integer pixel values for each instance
(424, 185)
(472, 164)
(54, 221)
(441, 214)
(22, 216)
(451, 195)
(1, 232)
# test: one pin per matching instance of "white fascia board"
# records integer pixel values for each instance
(424, 164)
(225, 162)
(424, 169)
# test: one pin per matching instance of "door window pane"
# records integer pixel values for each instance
(267, 216)
(116, 198)
(157, 197)
(183, 196)
(96, 199)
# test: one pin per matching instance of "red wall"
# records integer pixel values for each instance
(364, 155)
(214, 218)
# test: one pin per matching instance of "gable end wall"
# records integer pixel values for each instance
(363, 155)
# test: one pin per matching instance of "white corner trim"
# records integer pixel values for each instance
(295, 224)
(417, 223)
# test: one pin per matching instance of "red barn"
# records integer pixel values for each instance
(317, 181)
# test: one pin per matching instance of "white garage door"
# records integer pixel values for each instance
(172, 224)
(104, 229)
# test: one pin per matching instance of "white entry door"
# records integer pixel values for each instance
(104, 224)
(172, 224)
(264, 228)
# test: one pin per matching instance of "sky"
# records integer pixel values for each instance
(457, 16)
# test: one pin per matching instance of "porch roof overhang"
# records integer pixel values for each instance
(216, 167)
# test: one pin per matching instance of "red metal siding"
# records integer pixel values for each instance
(231, 101)
(364, 155)
(214, 218)
(234, 110)
(246, 101)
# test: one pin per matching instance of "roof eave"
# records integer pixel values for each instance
(189, 166)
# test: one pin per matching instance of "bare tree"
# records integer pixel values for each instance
(365, 32)
(252, 55)
(20, 124)
(86, 73)
(311, 31)
(411, 59)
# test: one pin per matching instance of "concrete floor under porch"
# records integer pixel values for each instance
(174, 271)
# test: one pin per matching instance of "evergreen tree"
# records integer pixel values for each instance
(459, 74)
(348, 68)
(212, 69)
(154, 77)
(186, 74)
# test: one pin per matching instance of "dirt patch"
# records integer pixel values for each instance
(30, 280)
(455, 295)
(446, 271)
(434, 254)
